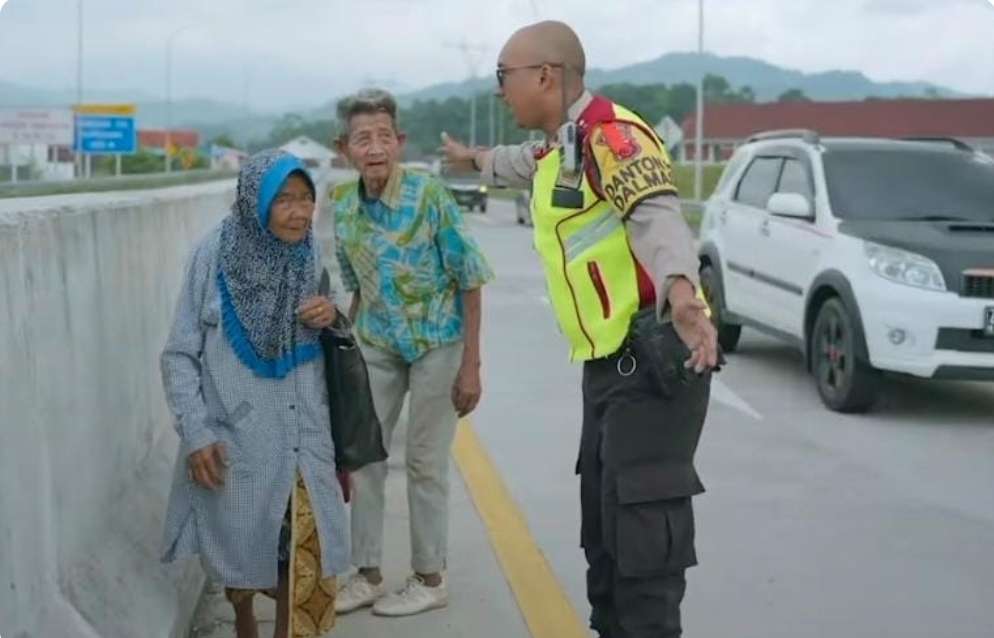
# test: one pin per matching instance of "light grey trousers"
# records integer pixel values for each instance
(430, 430)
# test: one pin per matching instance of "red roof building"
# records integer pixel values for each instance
(726, 126)
(156, 138)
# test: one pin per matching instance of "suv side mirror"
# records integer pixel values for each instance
(790, 205)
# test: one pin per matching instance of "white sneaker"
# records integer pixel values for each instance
(356, 593)
(414, 598)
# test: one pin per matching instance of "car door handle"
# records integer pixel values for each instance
(764, 228)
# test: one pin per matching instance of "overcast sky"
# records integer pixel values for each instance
(304, 52)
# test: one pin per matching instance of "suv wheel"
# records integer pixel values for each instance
(728, 334)
(846, 383)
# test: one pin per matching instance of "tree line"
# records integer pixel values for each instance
(424, 121)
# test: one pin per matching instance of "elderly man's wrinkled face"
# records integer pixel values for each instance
(374, 146)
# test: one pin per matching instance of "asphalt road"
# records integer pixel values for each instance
(814, 524)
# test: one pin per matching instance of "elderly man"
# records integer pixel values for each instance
(416, 275)
(618, 258)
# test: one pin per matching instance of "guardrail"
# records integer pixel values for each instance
(103, 184)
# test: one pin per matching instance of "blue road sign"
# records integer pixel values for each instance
(107, 134)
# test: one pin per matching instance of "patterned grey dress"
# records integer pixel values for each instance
(270, 427)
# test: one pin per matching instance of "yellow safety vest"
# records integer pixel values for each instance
(591, 272)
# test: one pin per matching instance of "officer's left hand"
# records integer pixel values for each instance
(692, 324)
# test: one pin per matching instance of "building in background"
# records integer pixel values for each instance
(226, 159)
(317, 157)
(36, 143)
(154, 140)
(726, 126)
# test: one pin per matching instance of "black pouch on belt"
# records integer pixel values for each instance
(658, 347)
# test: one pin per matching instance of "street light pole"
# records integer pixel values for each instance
(246, 83)
(77, 152)
(470, 52)
(169, 94)
(492, 140)
(169, 102)
(472, 116)
(699, 129)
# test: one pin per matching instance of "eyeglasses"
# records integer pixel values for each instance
(502, 71)
(285, 201)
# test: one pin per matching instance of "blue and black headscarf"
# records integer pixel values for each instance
(262, 279)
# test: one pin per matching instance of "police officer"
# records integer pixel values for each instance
(622, 274)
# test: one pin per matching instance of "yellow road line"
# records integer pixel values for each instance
(543, 603)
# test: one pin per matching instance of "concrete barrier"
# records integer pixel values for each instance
(87, 289)
(88, 283)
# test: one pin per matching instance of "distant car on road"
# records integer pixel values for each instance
(470, 195)
(868, 254)
(523, 207)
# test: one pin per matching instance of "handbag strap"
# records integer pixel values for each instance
(342, 327)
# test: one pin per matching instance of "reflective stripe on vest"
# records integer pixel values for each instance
(589, 267)
(591, 273)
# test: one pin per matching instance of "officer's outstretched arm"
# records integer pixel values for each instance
(498, 166)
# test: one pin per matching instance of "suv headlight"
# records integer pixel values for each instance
(903, 267)
(483, 188)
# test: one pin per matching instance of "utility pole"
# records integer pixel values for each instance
(699, 142)
(472, 53)
(500, 126)
(492, 139)
(170, 40)
(77, 154)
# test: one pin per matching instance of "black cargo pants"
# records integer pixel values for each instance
(642, 420)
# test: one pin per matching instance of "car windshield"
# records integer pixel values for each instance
(910, 185)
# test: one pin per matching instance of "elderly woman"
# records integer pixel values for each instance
(416, 274)
(255, 492)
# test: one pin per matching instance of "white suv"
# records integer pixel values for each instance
(869, 254)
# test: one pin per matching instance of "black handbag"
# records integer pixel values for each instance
(355, 428)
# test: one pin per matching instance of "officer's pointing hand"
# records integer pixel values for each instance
(458, 156)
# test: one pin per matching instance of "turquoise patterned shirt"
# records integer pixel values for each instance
(410, 256)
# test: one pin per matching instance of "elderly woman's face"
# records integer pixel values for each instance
(374, 146)
(292, 210)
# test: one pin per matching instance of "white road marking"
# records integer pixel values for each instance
(719, 391)
(723, 394)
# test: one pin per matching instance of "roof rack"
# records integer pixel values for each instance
(958, 144)
(809, 136)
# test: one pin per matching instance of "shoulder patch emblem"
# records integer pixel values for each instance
(618, 136)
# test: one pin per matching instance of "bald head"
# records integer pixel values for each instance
(549, 41)
(540, 73)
